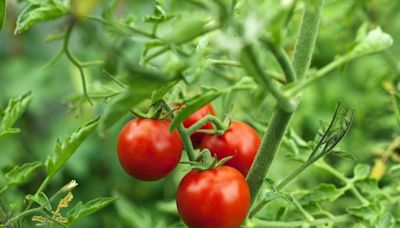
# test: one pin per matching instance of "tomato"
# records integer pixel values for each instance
(216, 198)
(240, 141)
(196, 116)
(147, 150)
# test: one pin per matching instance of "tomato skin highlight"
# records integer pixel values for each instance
(147, 150)
(196, 116)
(217, 198)
(240, 141)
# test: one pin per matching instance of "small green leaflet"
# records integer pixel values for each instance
(40, 199)
(368, 213)
(13, 112)
(66, 146)
(361, 171)
(194, 104)
(41, 11)
(2, 12)
(323, 192)
(81, 210)
(20, 174)
(374, 41)
(186, 29)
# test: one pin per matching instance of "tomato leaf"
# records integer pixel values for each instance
(13, 112)
(368, 213)
(186, 29)
(40, 199)
(81, 210)
(193, 105)
(159, 93)
(2, 12)
(323, 192)
(386, 220)
(20, 174)
(41, 11)
(395, 170)
(374, 41)
(361, 171)
(66, 146)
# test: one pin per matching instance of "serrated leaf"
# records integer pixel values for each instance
(323, 192)
(35, 13)
(40, 199)
(13, 112)
(186, 29)
(368, 213)
(386, 220)
(81, 210)
(370, 188)
(2, 12)
(193, 105)
(20, 174)
(361, 171)
(395, 170)
(66, 146)
(374, 41)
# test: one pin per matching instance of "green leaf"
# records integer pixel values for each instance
(386, 220)
(368, 213)
(40, 199)
(361, 171)
(109, 10)
(159, 93)
(395, 170)
(186, 29)
(66, 146)
(374, 41)
(193, 105)
(13, 112)
(370, 188)
(20, 174)
(343, 154)
(41, 11)
(323, 192)
(81, 210)
(2, 12)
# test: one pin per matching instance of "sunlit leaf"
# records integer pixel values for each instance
(374, 41)
(323, 192)
(361, 171)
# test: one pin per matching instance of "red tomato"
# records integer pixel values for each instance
(147, 150)
(196, 116)
(240, 141)
(217, 198)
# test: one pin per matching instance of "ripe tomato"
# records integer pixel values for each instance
(147, 150)
(213, 198)
(240, 141)
(196, 116)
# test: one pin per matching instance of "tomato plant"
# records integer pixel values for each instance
(146, 149)
(218, 197)
(240, 141)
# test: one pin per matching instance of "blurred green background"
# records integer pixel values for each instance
(57, 108)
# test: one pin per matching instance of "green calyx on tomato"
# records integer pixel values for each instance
(147, 150)
(240, 141)
(218, 197)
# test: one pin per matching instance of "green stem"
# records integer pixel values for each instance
(294, 174)
(280, 119)
(306, 215)
(74, 60)
(252, 66)
(300, 223)
(396, 108)
(35, 210)
(40, 189)
(183, 133)
(283, 60)
(307, 36)
(268, 148)
(220, 127)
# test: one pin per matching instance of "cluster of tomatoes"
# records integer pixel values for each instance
(148, 151)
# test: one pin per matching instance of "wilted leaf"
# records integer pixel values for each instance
(66, 146)
(20, 174)
(81, 210)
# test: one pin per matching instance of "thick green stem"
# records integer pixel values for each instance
(268, 148)
(307, 36)
(280, 119)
